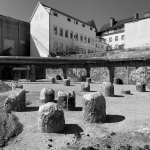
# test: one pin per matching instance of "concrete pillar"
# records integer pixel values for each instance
(88, 69)
(28, 72)
(64, 72)
(111, 70)
(32, 74)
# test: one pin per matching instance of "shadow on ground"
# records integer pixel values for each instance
(71, 129)
(114, 118)
(31, 108)
(118, 96)
(78, 109)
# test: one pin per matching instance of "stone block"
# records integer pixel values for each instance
(53, 80)
(47, 95)
(71, 100)
(51, 118)
(62, 100)
(85, 87)
(94, 108)
(66, 82)
(107, 89)
(15, 101)
(140, 87)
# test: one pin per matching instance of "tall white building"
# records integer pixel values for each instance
(53, 31)
(114, 32)
(137, 32)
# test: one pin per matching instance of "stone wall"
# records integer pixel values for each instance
(128, 75)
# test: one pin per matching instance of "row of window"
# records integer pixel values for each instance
(116, 38)
(59, 47)
(114, 31)
(99, 46)
(76, 36)
(69, 20)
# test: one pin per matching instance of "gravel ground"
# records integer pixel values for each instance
(126, 114)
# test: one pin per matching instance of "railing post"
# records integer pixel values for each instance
(64, 72)
(88, 69)
(32, 74)
(111, 70)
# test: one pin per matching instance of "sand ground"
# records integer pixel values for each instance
(125, 114)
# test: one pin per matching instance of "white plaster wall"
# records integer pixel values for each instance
(39, 33)
(137, 34)
(61, 21)
(114, 43)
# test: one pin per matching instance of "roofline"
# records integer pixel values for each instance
(34, 11)
(14, 19)
(139, 19)
(122, 25)
(66, 15)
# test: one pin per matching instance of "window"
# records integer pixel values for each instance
(116, 38)
(85, 39)
(110, 39)
(81, 38)
(83, 25)
(71, 34)
(68, 19)
(76, 36)
(76, 22)
(66, 33)
(67, 47)
(55, 14)
(55, 45)
(96, 45)
(55, 30)
(61, 31)
(91, 28)
(122, 37)
(89, 40)
(102, 46)
(61, 45)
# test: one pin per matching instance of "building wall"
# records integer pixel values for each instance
(39, 33)
(11, 36)
(100, 47)
(137, 33)
(114, 43)
(61, 21)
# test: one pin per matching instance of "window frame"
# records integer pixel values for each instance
(85, 39)
(116, 38)
(54, 30)
(55, 14)
(60, 32)
(81, 36)
(71, 32)
(66, 31)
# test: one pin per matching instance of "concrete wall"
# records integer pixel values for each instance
(12, 34)
(137, 34)
(39, 32)
(61, 21)
(114, 43)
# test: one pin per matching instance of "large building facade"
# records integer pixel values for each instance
(53, 31)
(114, 32)
(137, 32)
(14, 37)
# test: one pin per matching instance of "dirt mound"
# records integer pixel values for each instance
(4, 87)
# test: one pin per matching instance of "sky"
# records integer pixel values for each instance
(98, 10)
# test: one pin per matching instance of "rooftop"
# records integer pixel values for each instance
(67, 15)
(117, 24)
